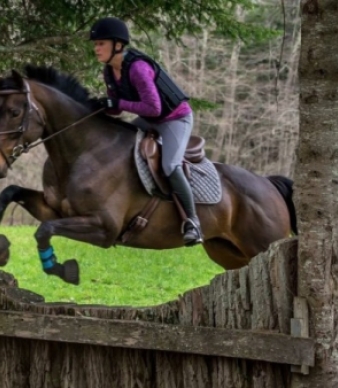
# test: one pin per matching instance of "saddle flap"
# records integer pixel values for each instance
(149, 147)
(151, 152)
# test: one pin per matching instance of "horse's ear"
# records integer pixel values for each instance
(17, 77)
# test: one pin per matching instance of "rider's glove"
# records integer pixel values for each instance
(111, 103)
(108, 103)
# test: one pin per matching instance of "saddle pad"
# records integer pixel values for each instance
(206, 185)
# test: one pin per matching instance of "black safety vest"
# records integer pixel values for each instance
(171, 95)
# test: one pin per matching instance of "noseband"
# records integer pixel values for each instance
(30, 106)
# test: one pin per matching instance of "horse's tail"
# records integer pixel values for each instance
(285, 187)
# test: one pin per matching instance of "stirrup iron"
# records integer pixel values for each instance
(196, 229)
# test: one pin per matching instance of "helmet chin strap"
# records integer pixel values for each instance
(114, 51)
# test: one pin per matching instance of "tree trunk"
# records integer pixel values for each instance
(316, 179)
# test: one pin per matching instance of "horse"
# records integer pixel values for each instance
(92, 190)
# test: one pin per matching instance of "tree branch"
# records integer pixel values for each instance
(48, 41)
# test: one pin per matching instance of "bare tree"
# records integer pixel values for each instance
(256, 89)
(316, 187)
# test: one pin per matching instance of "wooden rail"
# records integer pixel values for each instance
(248, 344)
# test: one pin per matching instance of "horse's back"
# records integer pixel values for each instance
(246, 182)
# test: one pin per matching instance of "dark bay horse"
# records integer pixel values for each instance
(91, 188)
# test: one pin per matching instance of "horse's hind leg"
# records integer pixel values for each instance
(31, 200)
(225, 253)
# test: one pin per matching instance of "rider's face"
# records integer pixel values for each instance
(103, 50)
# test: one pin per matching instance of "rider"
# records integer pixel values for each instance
(137, 84)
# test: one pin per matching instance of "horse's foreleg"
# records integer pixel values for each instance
(85, 229)
(31, 200)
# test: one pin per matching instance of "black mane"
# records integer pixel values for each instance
(66, 83)
(69, 85)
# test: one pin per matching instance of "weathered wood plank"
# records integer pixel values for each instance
(300, 328)
(264, 312)
(283, 281)
(169, 371)
(194, 311)
(232, 307)
(252, 345)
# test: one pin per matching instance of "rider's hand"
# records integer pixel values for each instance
(104, 102)
(108, 103)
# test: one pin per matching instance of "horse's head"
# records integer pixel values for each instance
(20, 120)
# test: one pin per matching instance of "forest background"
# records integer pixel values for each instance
(238, 60)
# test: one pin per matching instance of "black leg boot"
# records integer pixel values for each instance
(191, 229)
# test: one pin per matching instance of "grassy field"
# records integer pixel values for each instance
(117, 276)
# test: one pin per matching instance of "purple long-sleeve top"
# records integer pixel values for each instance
(142, 76)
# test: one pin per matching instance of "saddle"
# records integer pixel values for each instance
(151, 151)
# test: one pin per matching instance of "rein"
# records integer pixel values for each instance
(30, 146)
(31, 106)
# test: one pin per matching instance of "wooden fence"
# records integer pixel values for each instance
(233, 333)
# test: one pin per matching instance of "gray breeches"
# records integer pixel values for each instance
(175, 136)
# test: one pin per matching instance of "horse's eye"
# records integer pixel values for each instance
(14, 112)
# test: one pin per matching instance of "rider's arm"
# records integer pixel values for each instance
(142, 77)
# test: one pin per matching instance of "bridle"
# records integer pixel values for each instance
(30, 107)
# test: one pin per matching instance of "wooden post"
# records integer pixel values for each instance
(300, 328)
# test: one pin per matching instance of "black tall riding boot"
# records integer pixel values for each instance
(191, 228)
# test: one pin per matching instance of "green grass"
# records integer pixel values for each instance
(116, 276)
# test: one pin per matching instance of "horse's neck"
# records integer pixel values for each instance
(59, 109)
(59, 112)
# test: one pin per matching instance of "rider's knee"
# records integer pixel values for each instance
(170, 168)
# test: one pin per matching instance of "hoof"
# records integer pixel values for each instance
(71, 272)
(4, 250)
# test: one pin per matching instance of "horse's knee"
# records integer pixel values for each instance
(44, 231)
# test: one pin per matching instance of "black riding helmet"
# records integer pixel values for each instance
(110, 28)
